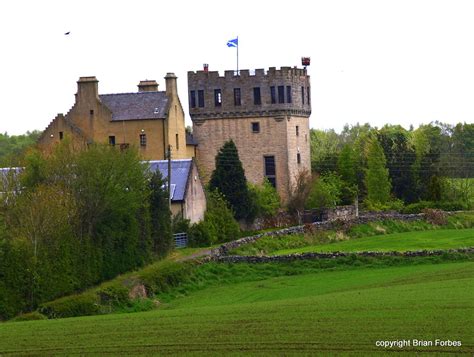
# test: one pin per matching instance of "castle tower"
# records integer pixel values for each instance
(266, 114)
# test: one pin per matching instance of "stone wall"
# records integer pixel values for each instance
(326, 225)
(333, 255)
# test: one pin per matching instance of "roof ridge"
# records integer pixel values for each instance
(128, 93)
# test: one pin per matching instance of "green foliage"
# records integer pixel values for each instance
(31, 316)
(161, 231)
(13, 146)
(70, 306)
(325, 193)
(266, 198)
(229, 179)
(377, 179)
(82, 217)
(163, 276)
(218, 225)
(113, 294)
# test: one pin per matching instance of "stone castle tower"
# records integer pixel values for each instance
(266, 114)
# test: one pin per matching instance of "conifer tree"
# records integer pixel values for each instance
(376, 177)
(229, 179)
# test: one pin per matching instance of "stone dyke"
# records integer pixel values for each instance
(224, 249)
(333, 255)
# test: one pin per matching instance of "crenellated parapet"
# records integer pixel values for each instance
(259, 93)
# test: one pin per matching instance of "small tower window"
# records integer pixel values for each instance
(142, 140)
(237, 97)
(217, 97)
(281, 94)
(112, 140)
(302, 95)
(270, 169)
(298, 158)
(273, 94)
(256, 127)
(61, 135)
(309, 96)
(177, 142)
(288, 94)
(297, 130)
(257, 99)
(201, 98)
(192, 97)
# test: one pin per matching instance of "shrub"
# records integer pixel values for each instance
(266, 199)
(435, 216)
(76, 305)
(31, 316)
(115, 295)
(160, 277)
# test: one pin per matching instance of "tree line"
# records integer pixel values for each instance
(391, 167)
(74, 218)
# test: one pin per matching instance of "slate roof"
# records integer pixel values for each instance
(136, 106)
(180, 173)
(190, 139)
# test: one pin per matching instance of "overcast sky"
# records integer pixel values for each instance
(398, 62)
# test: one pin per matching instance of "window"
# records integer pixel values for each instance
(281, 94)
(217, 97)
(192, 97)
(298, 158)
(273, 94)
(297, 130)
(257, 99)
(256, 127)
(302, 94)
(201, 98)
(177, 142)
(111, 140)
(309, 96)
(237, 98)
(270, 170)
(288, 94)
(91, 112)
(61, 135)
(142, 140)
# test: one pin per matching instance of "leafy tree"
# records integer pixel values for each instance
(266, 198)
(299, 193)
(12, 147)
(377, 178)
(218, 224)
(229, 179)
(325, 192)
(161, 232)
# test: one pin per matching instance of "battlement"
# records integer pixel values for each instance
(258, 93)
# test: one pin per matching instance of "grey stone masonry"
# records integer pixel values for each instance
(291, 93)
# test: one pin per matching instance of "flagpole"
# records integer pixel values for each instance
(237, 55)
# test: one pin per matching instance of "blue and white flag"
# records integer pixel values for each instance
(233, 43)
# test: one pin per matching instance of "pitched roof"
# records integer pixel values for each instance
(136, 106)
(180, 172)
(190, 140)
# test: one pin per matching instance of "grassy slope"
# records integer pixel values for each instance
(330, 312)
(440, 239)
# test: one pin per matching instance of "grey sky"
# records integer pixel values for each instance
(400, 62)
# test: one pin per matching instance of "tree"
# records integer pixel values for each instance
(376, 177)
(266, 198)
(161, 234)
(229, 179)
(325, 192)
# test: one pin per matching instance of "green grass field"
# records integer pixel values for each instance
(424, 240)
(330, 312)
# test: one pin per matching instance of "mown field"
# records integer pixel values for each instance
(422, 240)
(330, 312)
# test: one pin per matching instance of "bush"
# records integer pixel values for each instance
(160, 277)
(417, 207)
(31, 316)
(218, 225)
(393, 205)
(76, 305)
(266, 199)
(114, 295)
(435, 216)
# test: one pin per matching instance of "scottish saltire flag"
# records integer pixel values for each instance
(233, 43)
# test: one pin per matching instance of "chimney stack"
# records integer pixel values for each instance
(148, 86)
(171, 85)
(87, 89)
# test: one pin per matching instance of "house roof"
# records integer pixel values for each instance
(136, 106)
(180, 173)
